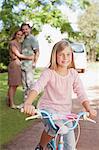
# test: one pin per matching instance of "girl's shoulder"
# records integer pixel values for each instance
(47, 70)
(73, 72)
(46, 74)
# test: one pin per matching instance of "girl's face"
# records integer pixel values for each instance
(64, 57)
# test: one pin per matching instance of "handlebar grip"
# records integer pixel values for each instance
(86, 117)
(33, 117)
(91, 120)
(38, 115)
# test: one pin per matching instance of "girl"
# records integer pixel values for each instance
(58, 81)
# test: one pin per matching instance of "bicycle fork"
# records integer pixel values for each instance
(60, 143)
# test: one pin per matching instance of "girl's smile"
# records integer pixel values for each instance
(64, 57)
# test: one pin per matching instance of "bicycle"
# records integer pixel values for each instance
(70, 118)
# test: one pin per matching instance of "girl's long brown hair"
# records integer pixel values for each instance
(59, 46)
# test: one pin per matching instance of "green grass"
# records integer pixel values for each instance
(12, 121)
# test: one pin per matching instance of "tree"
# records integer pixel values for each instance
(89, 27)
(14, 12)
(37, 11)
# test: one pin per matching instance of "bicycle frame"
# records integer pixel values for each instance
(69, 117)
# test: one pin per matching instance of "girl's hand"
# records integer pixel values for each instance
(92, 113)
(29, 109)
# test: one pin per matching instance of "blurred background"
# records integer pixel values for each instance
(51, 20)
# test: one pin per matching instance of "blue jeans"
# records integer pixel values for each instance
(69, 141)
(69, 138)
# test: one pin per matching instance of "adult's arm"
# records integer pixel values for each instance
(21, 56)
(37, 53)
(35, 47)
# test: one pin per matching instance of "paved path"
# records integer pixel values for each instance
(89, 138)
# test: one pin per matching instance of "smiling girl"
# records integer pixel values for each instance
(58, 81)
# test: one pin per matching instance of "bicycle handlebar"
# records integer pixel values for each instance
(85, 116)
(44, 114)
(69, 118)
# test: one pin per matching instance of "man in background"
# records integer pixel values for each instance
(29, 46)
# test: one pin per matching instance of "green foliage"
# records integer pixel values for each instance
(89, 27)
(35, 11)
(84, 4)
(10, 19)
(4, 56)
(3, 68)
(38, 12)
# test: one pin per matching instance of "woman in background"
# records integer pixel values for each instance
(14, 68)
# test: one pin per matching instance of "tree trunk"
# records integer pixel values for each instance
(92, 56)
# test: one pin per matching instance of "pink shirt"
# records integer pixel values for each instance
(58, 90)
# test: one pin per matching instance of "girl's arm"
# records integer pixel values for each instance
(92, 112)
(16, 52)
(37, 88)
(28, 107)
(82, 96)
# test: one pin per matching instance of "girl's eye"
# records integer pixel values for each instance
(68, 54)
(60, 54)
